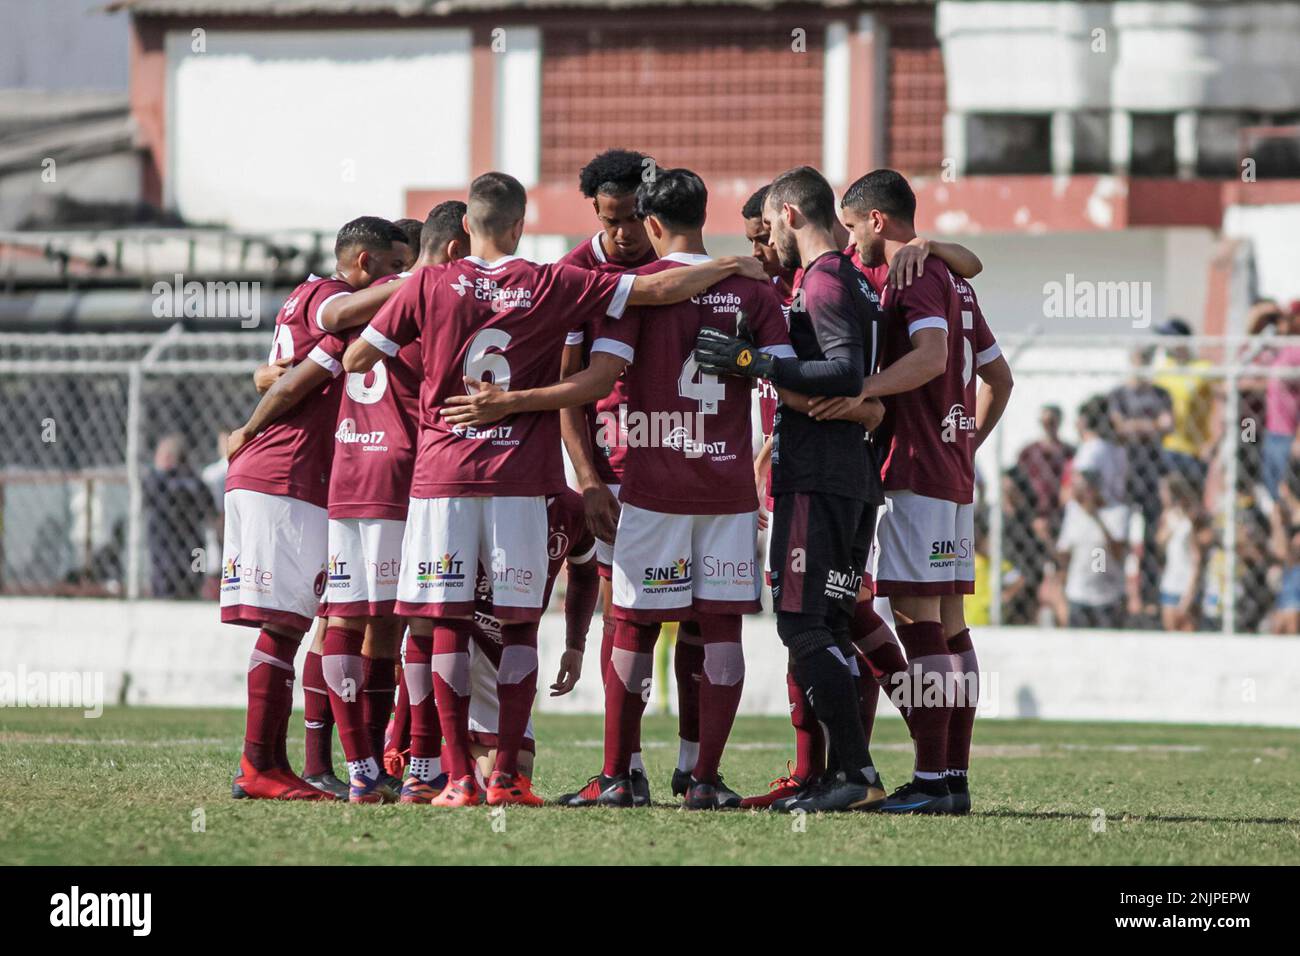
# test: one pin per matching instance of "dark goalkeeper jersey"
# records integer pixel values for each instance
(840, 316)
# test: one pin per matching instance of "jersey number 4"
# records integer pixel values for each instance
(703, 387)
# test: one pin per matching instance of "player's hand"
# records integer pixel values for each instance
(763, 519)
(908, 263)
(237, 439)
(723, 354)
(750, 267)
(486, 403)
(602, 511)
(570, 671)
(824, 409)
(268, 375)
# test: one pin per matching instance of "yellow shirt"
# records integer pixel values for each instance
(1192, 398)
(978, 605)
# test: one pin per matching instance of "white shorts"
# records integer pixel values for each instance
(448, 539)
(664, 563)
(604, 551)
(273, 560)
(365, 556)
(924, 546)
(484, 705)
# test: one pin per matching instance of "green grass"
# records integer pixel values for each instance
(127, 788)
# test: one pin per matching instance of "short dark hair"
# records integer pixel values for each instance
(615, 172)
(753, 208)
(883, 189)
(372, 233)
(496, 202)
(411, 230)
(808, 189)
(676, 197)
(445, 222)
(1095, 413)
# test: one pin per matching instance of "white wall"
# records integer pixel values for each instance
(178, 654)
(280, 130)
(1274, 234)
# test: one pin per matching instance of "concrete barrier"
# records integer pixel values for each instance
(178, 654)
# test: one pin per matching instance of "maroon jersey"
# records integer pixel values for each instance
(569, 540)
(607, 445)
(291, 457)
(689, 436)
(503, 322)
(375, 435)
(928, 433)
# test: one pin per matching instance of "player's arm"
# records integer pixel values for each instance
(598, 501)
(355, 308)
(996, 383)
(580, 599)
(286, 394)
(678, 285)
(909, 261)
(491, 403)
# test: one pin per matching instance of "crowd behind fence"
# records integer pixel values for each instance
(1140, 482)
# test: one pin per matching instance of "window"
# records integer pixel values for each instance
(1011, 143)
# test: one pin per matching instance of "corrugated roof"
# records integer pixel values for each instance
(296, 8)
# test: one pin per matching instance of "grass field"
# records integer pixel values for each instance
(132, 786)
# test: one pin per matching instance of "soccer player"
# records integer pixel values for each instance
(592, 434)
(275, 531)
(479, 494)
(686, 541)
(825, 477)
(572, 545)
(374, 437)
(936, 343)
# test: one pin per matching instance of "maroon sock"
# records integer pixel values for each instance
(516, 691)
(318, 721)
(722, 679)
(345, 678)
(809, 741)
(417, 688)
(868, 696)
(451, 686)
(270, 698)
(878, 646)
(929, 671)
(400, 738)
(627, 686)
(380, 675)
(688, 668)
(963, 715)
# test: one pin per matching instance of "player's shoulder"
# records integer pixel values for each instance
(587, 254)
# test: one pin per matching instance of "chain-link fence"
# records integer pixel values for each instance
(111, 459)
(1103, 501)
(1148, 483)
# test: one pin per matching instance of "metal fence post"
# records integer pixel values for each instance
(135, 494)
(1231, 440)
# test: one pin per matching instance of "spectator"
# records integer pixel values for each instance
(1190, 444)
(177, 507)
(1043, 464)
(1142, 414)
(977, 607)
(1253, 595)
(1180, 537)
(1099, 452)
(1282, 407)
(1026, 543)
(1091, 548)
(1285, 547)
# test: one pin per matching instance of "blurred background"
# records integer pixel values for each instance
(1128, 172)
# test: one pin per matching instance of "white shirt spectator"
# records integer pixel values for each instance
(1093, 577)
(1110, 462)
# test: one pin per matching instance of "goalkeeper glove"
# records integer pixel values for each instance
(722, 354)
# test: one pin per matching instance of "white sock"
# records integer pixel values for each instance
(927, 775)
(425, 769)
(635, 763)
(367, 768)
(688, 753)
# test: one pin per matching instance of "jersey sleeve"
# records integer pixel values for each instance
(328, 353)
(591, 293)
(924, 304)
(767, 323)
(398, 321)
(832, 312)
(316, 310)
(617, 336)
(986, 346)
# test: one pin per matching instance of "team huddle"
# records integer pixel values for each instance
(403, 476)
